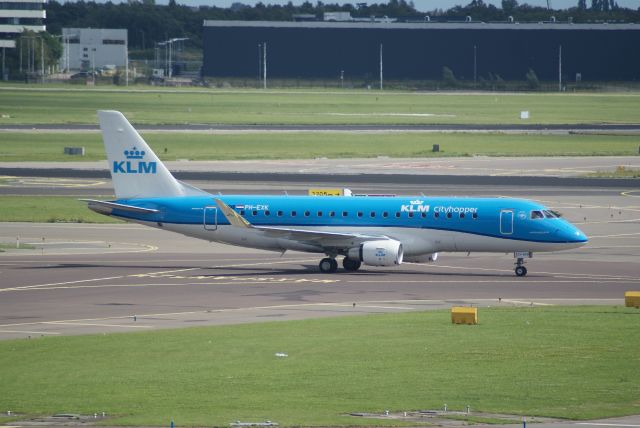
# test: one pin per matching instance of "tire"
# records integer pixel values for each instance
(521, 271)
(328, 265)
(351, 265)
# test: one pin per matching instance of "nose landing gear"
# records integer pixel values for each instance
(520, 269)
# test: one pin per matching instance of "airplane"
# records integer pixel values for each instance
(374, 231)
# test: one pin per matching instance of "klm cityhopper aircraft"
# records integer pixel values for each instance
(376, 231)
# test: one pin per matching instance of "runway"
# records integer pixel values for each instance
(83, 278)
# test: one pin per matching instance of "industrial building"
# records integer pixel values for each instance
(18, 15)
(93, 48)
(419, 51)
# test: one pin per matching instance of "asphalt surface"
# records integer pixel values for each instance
(487, 171)
(83, 278)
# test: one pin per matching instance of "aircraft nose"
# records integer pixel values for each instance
(574, 235)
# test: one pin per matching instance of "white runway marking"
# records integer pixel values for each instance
(606, 424)
(29, 332)
(82, 324)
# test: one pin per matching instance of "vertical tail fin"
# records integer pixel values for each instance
(135, 169)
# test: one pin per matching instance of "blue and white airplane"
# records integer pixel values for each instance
(375, 231)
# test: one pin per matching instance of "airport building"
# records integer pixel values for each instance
(93, 48)
(419, 51)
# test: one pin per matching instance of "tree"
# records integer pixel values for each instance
(448, 77)
(532, 80)
(582, 4)
(509, 5)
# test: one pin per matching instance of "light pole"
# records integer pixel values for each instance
(264, 65)
(259, 63)
(560, 68)
(380, 66)
(42, 59)
(475, 64)
(93, 65)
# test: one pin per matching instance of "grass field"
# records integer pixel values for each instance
(48, 209)
(35, 105)
(17, 146)
(577, 362)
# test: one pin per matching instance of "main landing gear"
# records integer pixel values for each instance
(520, 269)
(330, 265)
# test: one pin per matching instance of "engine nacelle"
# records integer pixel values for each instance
(378, 253)
(422, 258)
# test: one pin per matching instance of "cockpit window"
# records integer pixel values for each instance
(536, 214)
(549, 214)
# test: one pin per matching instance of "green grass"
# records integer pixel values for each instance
(568, 362)
(17, 147)
(48, 209)
(36, 105)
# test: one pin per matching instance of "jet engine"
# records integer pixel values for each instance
(422, 258)
(378, 253)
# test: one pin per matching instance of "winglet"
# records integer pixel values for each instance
(234, 218)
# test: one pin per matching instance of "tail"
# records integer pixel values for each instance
(135, 169)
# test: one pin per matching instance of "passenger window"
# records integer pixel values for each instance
(410, 215)
(293, 213)
(241, 212)
(385, 214)
(423, 215)
(436, 215)
(536, 215)
(254, 213)
(359, 213)
(307, 213)
(345, 213)
(397, 214)
(279, 213)
(461, 215)
(267, 213)
(449, 215)
(332, 213)
(319, 213)
(474, 216)
(372, 214)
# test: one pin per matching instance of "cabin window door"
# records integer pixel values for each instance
(506, 222)
(210, 218)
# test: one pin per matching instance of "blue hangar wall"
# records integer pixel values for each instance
(419, 51)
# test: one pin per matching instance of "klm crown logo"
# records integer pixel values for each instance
(134, 164)
(134, 154)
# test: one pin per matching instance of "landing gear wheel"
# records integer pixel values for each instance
(521, 271)
(351, 265)
(328, 265)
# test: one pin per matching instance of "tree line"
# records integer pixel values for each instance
(149, 23)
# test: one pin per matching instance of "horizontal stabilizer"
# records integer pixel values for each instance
(234, 218)
(102, 206)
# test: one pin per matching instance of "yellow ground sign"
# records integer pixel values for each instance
(325, 192)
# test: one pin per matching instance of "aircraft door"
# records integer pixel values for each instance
(506, 222)
(210, 218)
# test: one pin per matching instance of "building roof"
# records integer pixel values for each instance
(426, 25)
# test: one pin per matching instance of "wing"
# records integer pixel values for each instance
(323, 239)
